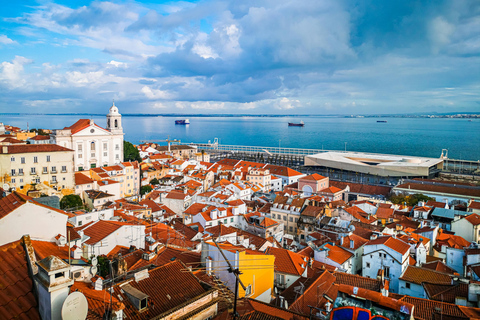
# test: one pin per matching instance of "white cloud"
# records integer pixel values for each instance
(155, 93)
(287, 104)
(6, 40)
(440, 32)
(11, 73)
(207, 105)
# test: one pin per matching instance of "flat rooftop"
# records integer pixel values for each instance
(377, 164)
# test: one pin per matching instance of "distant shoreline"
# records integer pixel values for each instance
(423, 116)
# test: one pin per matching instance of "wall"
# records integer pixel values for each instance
(37, 221)
(124, 236)
(416, 290)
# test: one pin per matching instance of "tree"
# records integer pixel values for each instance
(130, 153)
(410, 200)
(71, 201)
(154, 181)
(145, 189)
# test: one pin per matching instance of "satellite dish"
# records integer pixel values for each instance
(94, 261)
(93, 270)
(5, 186)
(75, 307)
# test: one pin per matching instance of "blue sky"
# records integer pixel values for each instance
(256, 57)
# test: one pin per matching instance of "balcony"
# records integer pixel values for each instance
(53, 181)
(20, 173)
(53, 171)
(33, 173)
(280, 285)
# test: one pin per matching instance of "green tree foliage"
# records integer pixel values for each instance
(410, 200)
(39, 132)
(71, 201)
(145, 189)
(154, 181)
(103, 266)
(130, 153)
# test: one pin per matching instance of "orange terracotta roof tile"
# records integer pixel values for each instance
(287, 261)
(358, 281)
(177, 286)
(419, 275)
(100, 229)
(33, 148)
(313, 177)
(251, 309)
(392, 243)
(474, 219)
(17, 300)
(338, 254)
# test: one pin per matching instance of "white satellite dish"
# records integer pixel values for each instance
(94, 261)
(5, 186)
(75, 307)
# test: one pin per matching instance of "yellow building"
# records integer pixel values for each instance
(126, 173)
(256, 269)
(25, 164)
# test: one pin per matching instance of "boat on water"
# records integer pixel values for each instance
(292, 124)
(183, 121)
(382, 121)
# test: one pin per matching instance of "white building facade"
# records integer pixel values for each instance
(94, 146)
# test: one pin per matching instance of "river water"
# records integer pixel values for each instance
(403, 136)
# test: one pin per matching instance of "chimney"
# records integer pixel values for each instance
(352, 244)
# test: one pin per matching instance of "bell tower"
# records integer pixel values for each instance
(114, 120)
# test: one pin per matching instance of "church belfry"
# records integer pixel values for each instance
(114, 120)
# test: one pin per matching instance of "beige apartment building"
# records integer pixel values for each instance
(25, 164)
(261, 176)
(126, 173)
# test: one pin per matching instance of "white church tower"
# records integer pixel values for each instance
(114, 120)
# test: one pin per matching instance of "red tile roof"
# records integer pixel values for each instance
(282, 171)
(419, 275)
(357, 241)
(392, 243)
(11, 202)
(17, 300)
(426, 309)
(362, 188)
(384, 213)
(176, 195)
(251, 309)
(474, 205)
(80, 125)
(358, 281)
(44, 249)
(446, 292)
(178, 286)
(338, 254)
(33, 148)
(97, 300)
(100, 230)
(474, 219)
(439, 266)
(313, 177)
(80, 178)
(287, 261)
(451, 189)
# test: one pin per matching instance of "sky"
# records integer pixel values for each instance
(316, 57)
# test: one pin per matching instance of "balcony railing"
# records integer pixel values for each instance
(53, 181)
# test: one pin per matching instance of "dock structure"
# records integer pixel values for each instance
(296, 159)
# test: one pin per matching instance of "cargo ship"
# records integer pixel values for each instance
(291, 124)
(185, 121)
(382, 121)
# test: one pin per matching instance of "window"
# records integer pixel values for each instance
(386, 271)
(93, 165)
(35, 159)
(20, 172)
(54, 169)
(79, 148)
(290, 229)
(54, 178)
(117, 157)
(48, 158)
(105, 154)
(32, 170)
(225, 221)
(231, 219)
(105, 147)
(273, 216)
(45, 170)
(296, 219)
(13, 180)
(64, 168)
(80, 168)
(92, 146)
(368, 264)
(407, 285)
(13, 172)
(117, 147)
(116, 123)
(80, 156)
(291, 219)
(284, 218)
(21, 180)
(248, 292)
(12, 159)
(22, 159)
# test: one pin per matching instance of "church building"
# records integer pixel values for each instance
(94, 146)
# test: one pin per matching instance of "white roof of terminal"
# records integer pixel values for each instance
(378, 160)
